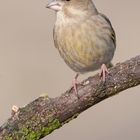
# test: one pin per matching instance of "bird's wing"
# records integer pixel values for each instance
(113, 35)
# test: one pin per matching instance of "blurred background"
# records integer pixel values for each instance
(30, 65)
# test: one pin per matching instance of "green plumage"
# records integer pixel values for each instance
(84, 38)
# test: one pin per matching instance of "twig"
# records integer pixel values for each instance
(40, 117)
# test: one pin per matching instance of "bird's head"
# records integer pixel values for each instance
(72, 7)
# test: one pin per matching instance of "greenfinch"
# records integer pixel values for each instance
(84, 37)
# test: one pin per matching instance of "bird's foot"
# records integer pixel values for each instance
(74, 84)
(104, 71)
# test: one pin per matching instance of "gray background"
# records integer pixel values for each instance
(30, 65)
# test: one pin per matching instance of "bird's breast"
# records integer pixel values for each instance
(82, 45)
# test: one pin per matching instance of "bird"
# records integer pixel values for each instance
(83, 36)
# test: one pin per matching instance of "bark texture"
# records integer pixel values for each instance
(40, 117)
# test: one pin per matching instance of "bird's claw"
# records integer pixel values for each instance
(103, 72)
(75, 82)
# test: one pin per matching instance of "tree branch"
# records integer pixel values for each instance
(40, 117)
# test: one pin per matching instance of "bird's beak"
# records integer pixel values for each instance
(54, 5)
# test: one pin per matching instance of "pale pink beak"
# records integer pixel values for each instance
(54, 5)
